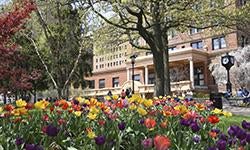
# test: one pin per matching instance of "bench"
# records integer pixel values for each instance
(235, 101)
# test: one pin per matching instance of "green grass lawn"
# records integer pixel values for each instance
(234, 120)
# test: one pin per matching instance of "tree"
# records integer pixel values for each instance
(239, 73)
(152, 19)
(12, 76)
(59, 39)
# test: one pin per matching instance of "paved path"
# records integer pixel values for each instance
(235, 110)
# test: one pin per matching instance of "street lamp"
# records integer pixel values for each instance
(228, 61)
(133, 69)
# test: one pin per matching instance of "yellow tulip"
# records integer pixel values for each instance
(94, 110)
(217, 111)
(132, 107)
(183, 109)
(141, 111)
(148, 103)
(108, 98)
(80, 99)
(227, 114)
(20, 103)
(91, 116)
(91, 134)
(78, 113)
(1, 109)
(115, 97)
(19, 111)
(41, 104)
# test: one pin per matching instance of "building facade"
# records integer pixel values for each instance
(190, 54)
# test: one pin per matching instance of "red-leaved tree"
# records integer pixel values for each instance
(13, 77)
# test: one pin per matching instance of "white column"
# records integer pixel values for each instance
(128, 74)
(191, 72)
(146, 75)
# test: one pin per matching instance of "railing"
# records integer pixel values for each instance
(175, 86)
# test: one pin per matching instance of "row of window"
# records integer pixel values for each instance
(199, 79)
(115, 82)
(217, 43)
(117, 63)
(119, 48)
(111, 57)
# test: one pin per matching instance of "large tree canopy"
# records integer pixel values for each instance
(153, 19)
(13, 76)
(58, 35)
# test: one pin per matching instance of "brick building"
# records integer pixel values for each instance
(189, 56)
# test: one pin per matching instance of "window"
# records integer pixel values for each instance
(120, 55)
(195, 30)
(101, 83)
(120, 62)
(115, 82)
(197, 45)
(137, 77)
(91, 84)
(96, 60)
(96, 67)
(243, 41)
(172, 48)
(198, 76)
(218, 43)
(151, 78)
(125, 46)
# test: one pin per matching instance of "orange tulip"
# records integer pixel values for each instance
(161, 142)
(150, 123)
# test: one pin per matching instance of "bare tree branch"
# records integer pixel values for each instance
(41, 59)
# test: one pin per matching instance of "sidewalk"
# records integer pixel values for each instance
(237, 110)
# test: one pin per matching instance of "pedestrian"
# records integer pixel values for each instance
(109, 93)
(123, 94)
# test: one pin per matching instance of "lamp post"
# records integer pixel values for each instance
(133, 69)
(228, 61)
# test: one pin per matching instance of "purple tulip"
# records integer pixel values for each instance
(195, 127)
(196, 139)
(76, 102)
(147, 143)
(241, 134)
(185, 122)
(243, 142)
(30, 146)
(223, 137)
(100, 140)
(248, 138)
(121, 126)
(232, 141)
(141, 121)
(19, 141)
(51, 130)
(232, 130)
(211, 148)
(245, 124)
(221, 145)
(216, 130)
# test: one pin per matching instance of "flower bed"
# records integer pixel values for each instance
(134, 123)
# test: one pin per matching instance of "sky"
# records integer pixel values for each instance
(2, 2)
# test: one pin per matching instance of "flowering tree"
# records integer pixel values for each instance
(12, 75)
(239, 73)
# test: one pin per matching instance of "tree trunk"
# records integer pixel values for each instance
(159, 73)
(4, 98)
(167, 83)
